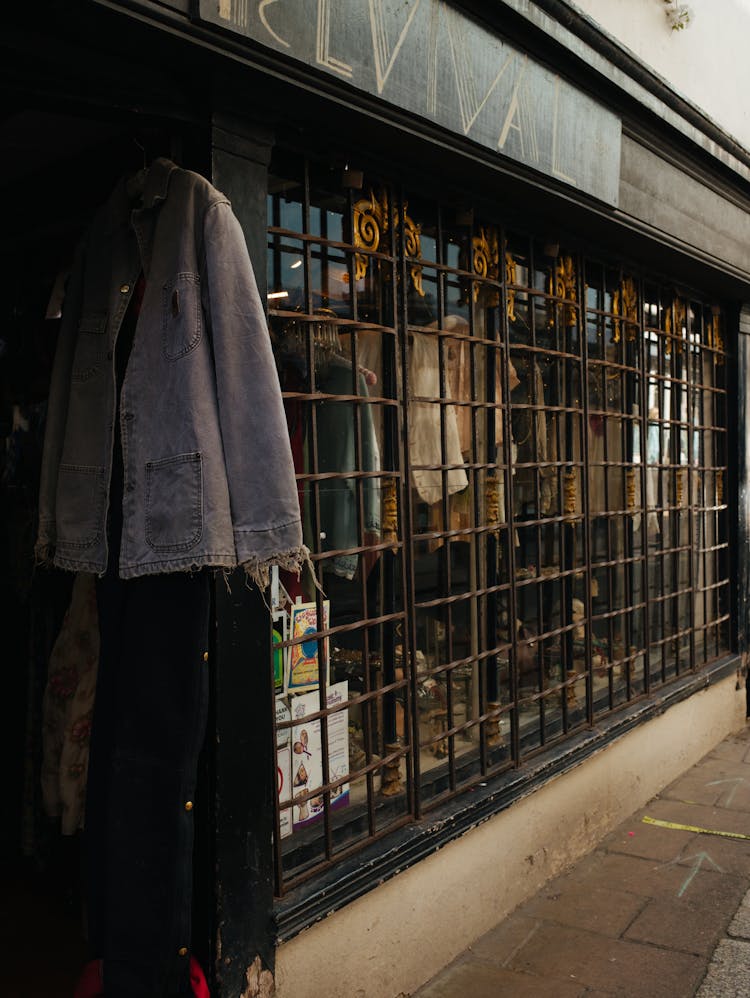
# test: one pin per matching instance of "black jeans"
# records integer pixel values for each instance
(148, 726)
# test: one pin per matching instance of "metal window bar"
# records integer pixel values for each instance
(641, 366)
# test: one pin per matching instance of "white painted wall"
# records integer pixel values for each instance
(389, 942)
(707, 62)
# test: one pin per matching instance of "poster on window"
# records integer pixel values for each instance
(280, 633)
(283, 766)
(303, 657)
(307, 759)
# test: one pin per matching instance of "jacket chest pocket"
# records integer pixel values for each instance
(90, 346)
(182, 320)
(174, 503)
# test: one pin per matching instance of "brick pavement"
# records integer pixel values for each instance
(653, 912)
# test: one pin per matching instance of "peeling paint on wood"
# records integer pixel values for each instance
(260, 982)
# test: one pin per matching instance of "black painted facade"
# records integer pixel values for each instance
(220, 95)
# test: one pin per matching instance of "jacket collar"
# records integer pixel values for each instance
(157, 182)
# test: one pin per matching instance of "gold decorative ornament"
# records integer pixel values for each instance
(372, 220)
(511, 277)
(390, 512)
(630, 487)
(570, 493)
(562, 285)
(717, 341)
(492, 501)
(679, 485)
(485, 260)
(675, 320)
(625, 304)
(370, 225)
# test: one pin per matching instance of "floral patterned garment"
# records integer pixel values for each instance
(68, 707)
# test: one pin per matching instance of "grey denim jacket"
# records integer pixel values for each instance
(208, 472)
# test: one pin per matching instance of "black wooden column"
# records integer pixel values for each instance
(244, 768)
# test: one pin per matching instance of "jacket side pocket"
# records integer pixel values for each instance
(182, 320)
(174, 503)
(90, 346)
(80, 505)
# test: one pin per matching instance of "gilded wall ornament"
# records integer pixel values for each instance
(511, 277)
(485, 260)
(372, 219)
(625, 304)
(674, 322)
(562, 285)
(716, 339)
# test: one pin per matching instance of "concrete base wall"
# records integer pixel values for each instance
(392, 940)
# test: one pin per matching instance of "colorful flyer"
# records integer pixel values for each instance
(307, 759)
(284, 788)
(280, 632)
(284, 765)
(303, 657)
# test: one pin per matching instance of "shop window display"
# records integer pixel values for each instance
(510, 464)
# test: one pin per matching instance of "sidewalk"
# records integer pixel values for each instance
(657, 910)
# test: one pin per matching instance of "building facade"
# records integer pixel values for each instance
(506, 271)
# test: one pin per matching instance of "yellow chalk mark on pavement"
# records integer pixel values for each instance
(693, 828)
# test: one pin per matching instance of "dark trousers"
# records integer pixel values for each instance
(148, 726)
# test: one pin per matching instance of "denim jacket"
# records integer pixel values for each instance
(208, 473)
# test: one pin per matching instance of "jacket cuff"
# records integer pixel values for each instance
(259, 569)
(44, 548)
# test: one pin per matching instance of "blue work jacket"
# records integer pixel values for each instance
(208, 477)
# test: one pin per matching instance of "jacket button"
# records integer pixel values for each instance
(129, 415)
(205, 656)
(124, 288)
(182, 951)
(188, 805)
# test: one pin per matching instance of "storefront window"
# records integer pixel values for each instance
(510, 463)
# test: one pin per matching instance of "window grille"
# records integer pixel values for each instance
(511, 462)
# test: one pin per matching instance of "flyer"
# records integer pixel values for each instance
(307, 760)
(303, 658)
(280, 632)
(283, 767)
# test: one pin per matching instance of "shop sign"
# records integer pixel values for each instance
(430, 59)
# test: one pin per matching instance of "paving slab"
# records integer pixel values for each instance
(482, 980)
(635, 838)
(621, 967)
(711, 782)
(502, 942)
(692, 922)
(644, 878)
(735, 748)
(601, 909)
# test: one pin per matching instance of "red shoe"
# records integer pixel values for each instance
(197, 980)
(89, 984)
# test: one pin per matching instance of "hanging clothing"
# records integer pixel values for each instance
(337, 429)
(458, 373)
(536, 438)
(425, 438)
(68, 708)
(148, 728)
(208, 470)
